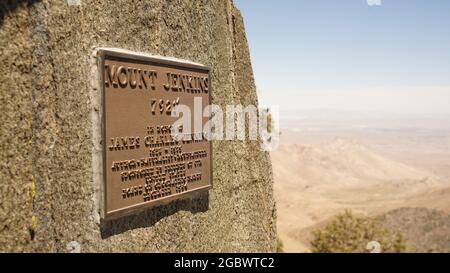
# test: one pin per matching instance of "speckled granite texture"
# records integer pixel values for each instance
(47, 188)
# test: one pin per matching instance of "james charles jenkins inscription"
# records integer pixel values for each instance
(144, 164)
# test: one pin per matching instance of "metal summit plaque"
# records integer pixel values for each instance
(144, 164)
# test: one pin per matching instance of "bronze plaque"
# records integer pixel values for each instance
(144, 164)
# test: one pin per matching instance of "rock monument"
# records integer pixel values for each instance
(49, 143)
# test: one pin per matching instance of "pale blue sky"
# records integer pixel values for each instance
(345, 54)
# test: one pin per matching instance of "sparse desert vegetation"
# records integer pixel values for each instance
(348, 233)
(377, 171)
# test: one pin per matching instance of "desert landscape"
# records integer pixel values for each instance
(395, 168)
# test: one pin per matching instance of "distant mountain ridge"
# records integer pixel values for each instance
(346, 163)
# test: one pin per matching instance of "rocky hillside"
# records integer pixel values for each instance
(425, 230)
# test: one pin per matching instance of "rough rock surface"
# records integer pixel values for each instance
(46, 179)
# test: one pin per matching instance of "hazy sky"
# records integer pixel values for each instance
(346, 54)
